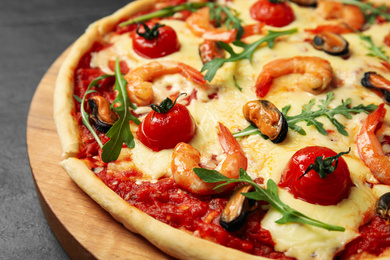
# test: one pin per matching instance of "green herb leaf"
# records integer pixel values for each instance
(236, 83)
(324, 166)
(247, 52)
(375, 51)
(120, 132)
(270, 195)
(369, 10)
(85, 115)
(309, 116)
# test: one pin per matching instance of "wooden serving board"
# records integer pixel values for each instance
(82, 227)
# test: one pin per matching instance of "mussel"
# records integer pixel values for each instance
(209, 50)
(102, 116)
(331, 43)
(266, 116)
(237, 209)
(305, 2)
(383, 207)
(377, 82)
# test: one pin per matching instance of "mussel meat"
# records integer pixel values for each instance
(383, 207)
(102, 116)
(305, 2)
(209, 50)
(266, 116)
(237, 209)
(331, 43)
(375, 81)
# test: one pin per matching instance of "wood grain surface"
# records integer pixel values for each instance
(82, 227)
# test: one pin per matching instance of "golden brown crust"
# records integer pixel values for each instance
(63, 94)
(170, 240)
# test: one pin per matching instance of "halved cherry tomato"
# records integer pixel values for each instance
(160, 131)
(163, 43)
(310, 187)
(273, 14)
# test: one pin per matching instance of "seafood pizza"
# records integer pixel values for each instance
(235, 129)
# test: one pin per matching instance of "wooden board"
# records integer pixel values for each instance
(83, 228)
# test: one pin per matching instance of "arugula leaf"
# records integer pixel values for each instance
(120, 132)
(270, 195)
(85, 115)
(309, 116)
(231, 20)
(375, 51)
(247, 52)
(369, 10)
(236, 84)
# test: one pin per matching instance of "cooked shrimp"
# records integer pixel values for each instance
(370, 149)
(317, 74)
(199, 24)
(350, 16)
(139, 81)
(185, 158)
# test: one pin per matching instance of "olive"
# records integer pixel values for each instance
(102, 116)
(375, 81)
(331, 43)
(266, 116)
(237, 209)
(383, 207)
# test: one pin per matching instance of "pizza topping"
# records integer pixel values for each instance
(185, 158)
(237, 209)
(269, 120)
(167, 125)
(154, 40)
(316, 74)
(305, 183)
(270, 195)
(375, 51)
(305, 2)
(371, 11)
(247, 52)
(209, 50)
(383, 207)
(369, 147)
(276, 13)
(102, 116)
(377, 82)
(139, 80)
(331, 43)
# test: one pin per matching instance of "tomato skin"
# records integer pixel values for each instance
(160, 131)
(273, 14)
(311, 188)
(166, 43)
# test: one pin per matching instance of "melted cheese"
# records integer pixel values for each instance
(266, 159)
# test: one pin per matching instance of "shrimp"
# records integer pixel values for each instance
(185, 158)
(139, 85)
(350, 16)
(370, 149)
(199, 24)
(317, 74)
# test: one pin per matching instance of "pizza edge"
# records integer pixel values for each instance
(173, 241)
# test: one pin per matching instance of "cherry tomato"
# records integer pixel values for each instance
(160, 131)
(273, 14)
(163, 43)
(311, 187)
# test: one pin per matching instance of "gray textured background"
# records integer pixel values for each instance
(32, 35)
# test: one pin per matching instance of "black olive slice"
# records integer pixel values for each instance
(266, 116)
(331, 43)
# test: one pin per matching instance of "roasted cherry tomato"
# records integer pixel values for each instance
(276, 14)
(310, 187)
(153, 40)
(166, 126)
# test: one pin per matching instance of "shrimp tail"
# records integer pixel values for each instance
(263, 84)
(191, 73)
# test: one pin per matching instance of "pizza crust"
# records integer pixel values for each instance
(63, 101)
(172, 241)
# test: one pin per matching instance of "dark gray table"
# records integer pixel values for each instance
(32, 35)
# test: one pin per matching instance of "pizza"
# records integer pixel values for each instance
(235, 129)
